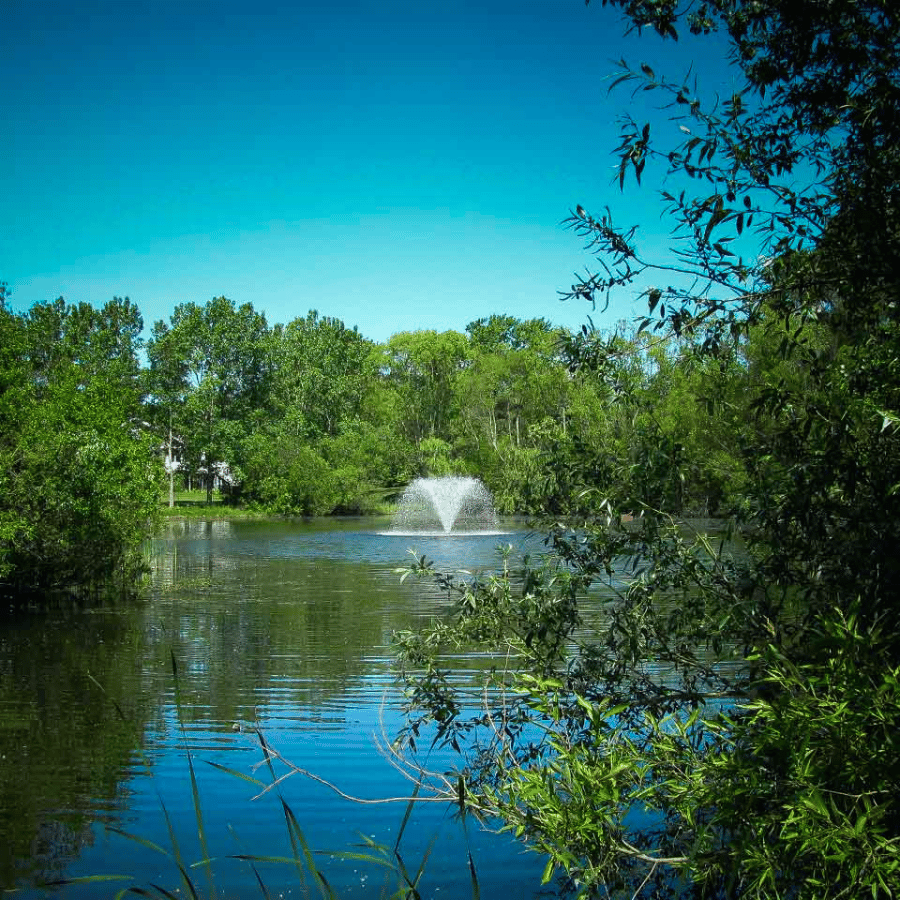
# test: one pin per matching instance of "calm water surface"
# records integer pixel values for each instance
(281, 626)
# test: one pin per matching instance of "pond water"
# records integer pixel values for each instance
(285, 627)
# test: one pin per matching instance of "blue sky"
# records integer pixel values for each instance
(399, 165)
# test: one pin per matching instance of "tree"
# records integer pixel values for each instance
(507, 332)
(224, 379)
(167, 382)
(729, 727)
(424, 365)
(321, 373)
(79, 473)
(16, 392)
(92, 342)
(305, 458)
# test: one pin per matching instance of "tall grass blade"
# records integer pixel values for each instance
(259, 881)
(295, 848)
(136, 733)
(421, 870)
(461, 803)
(411, 889)
(326, 889)
(298, 838)
(406, 815)
(132, 890)
(299, 847)
(143, 892)
(195, 792)
(176, 850)
(411, 883)
(144, 842)
(259, 857)
(83, 879)
(255, 871)
(266, 754)
(163, 892)
(401, 868)
(362, 857)
(473, 875)
(242, 775)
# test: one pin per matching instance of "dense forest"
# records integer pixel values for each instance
(311, 418)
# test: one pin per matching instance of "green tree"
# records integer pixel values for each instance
(79, 472)
(89, 342)
(514, 389)
(505, 331)
(225, 378)
(322, 370)
(167, 384)
(304, 459)
(286, 474)
(728, 728)
(423, 367)
(16, 396)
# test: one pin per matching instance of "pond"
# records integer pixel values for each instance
(279, 626)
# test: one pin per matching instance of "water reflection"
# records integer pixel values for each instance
(64, 752)
(280, 625)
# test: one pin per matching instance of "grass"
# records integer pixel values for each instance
(191, 498)
(216, 511)
(193, 505)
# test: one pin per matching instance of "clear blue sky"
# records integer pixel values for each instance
(399, 165)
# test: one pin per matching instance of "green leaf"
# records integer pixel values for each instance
(235, 773)
(549, 869)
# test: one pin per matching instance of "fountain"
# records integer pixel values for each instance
(448, 505)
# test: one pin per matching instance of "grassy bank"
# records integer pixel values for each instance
(193, 505)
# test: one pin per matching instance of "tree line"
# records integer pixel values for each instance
(312, 418)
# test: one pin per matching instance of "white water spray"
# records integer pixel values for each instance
(448, 505)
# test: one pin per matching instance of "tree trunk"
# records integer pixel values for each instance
(171, 468)
(209, 458)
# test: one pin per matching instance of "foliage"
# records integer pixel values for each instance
(15, 395)
(288, 476)
(321, 370)
(80, 476)
(210, 369)
(726, 724)
(508, 401)
(424, 365)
